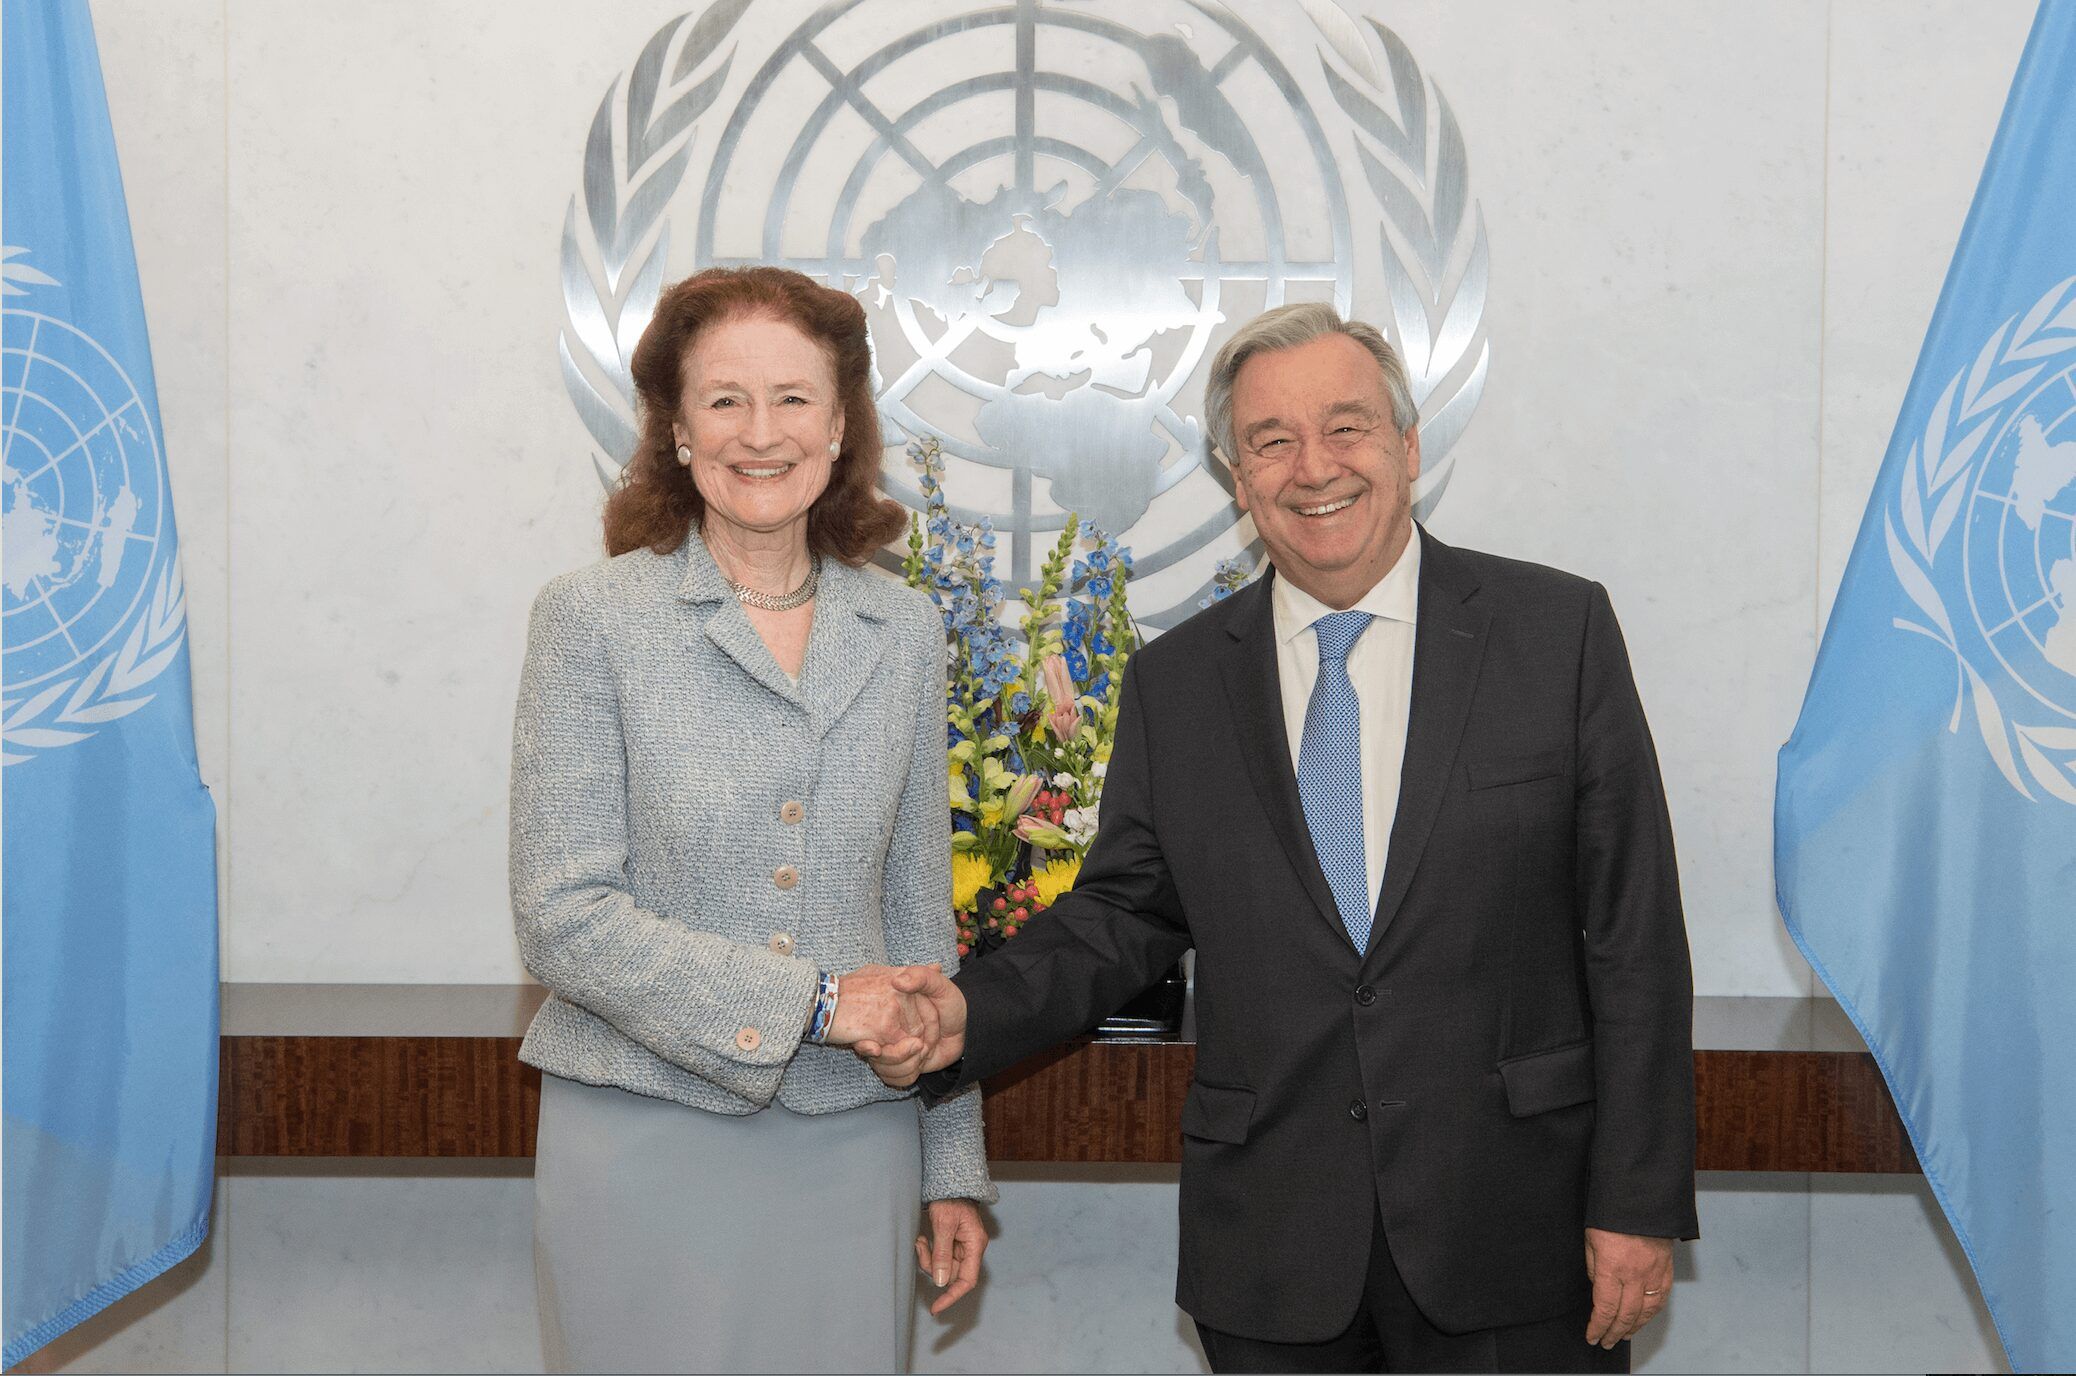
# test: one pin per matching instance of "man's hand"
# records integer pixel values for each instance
(1632, 1280)
(900, 1063)
(950, 1257)
(872, 1011)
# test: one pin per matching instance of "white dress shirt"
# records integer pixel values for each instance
(1380, 666)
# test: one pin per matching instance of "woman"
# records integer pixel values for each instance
(728, 787)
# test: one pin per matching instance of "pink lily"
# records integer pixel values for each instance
(1041, 833)
(1018, 799)
(1063, 718)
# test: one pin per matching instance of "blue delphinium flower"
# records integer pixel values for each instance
(1229, 577)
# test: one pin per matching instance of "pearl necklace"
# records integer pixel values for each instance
(779, 601)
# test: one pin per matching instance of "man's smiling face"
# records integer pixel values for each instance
(1323, 469)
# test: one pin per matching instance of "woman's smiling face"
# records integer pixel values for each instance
(760, 415)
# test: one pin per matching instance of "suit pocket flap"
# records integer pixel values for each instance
(1217, 1113)
(1545, 1080)
(1515, 769)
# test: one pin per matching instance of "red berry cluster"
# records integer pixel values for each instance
(1010, 912)
(1049, 805)
(1002, 914)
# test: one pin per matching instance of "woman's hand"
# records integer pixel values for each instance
(950, 1257)
(937, 1003)
(875, 1015)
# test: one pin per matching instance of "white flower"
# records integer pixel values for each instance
(1080, 825)
(1066, 780)
(1101, 769)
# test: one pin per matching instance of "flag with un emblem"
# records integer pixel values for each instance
(110, 902)
(1925, 824)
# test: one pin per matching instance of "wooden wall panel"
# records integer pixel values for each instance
(376, 1096)
(1797, 1111)
(1097, 1101)
(1117, 1101)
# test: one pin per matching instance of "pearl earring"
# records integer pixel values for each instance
(835, 448)
(685, 455)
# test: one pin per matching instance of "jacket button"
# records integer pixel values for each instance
(781, 942)
(785, 876)
(1365, 995)
(749, 1039)
(790, 811)
(1358, 1110)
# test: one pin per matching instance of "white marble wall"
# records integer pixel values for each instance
(1717, 234)
(1657, 220)
(332, 1266)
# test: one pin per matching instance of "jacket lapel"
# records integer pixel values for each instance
(726, 625)
(1256, 698)
(1448, 648)
(843, 648)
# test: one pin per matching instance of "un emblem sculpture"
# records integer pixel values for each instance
(1052, 213)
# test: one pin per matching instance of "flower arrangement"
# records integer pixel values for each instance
(1030, 725)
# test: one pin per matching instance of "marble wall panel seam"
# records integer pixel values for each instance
(1816, 505)
(223, 1185)
(1823, 313)
(225, 905)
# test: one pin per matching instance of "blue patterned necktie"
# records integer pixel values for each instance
(1330, 773)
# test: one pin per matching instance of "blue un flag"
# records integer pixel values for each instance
(1925, 824)
(110, 899)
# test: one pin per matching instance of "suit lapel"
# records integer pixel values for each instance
(1448, 648)
(1256, 697)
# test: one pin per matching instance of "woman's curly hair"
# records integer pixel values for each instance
(656, 504)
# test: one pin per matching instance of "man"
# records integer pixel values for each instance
(1402, 800)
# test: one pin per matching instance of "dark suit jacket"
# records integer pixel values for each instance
(1509, 1062)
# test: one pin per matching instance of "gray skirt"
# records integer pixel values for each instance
(667, 1238)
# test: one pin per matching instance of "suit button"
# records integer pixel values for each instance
(785, 876)
(791, 811)
(1365, 995)
(1358, 1110)
(782, 943)
(749, 1039)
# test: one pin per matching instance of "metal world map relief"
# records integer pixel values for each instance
(1054, 214)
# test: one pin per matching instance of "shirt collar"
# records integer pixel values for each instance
(1394, 597)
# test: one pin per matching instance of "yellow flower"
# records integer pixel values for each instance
(991, 812)
(970, 874)
(961, 800)
(1103, 753)
(1055, 879)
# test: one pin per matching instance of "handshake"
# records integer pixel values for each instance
(903, 1021)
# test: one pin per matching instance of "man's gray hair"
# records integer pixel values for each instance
(1287, 327)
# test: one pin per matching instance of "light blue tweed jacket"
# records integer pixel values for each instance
(675, 914)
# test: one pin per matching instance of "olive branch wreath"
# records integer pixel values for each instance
(1930, 497)
(67, 712)
(1436, 262)
(614, 237)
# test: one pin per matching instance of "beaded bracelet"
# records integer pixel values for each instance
(824, 1014)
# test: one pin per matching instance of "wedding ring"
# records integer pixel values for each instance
(1654, 1292)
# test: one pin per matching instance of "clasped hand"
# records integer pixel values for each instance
(903, 1021)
